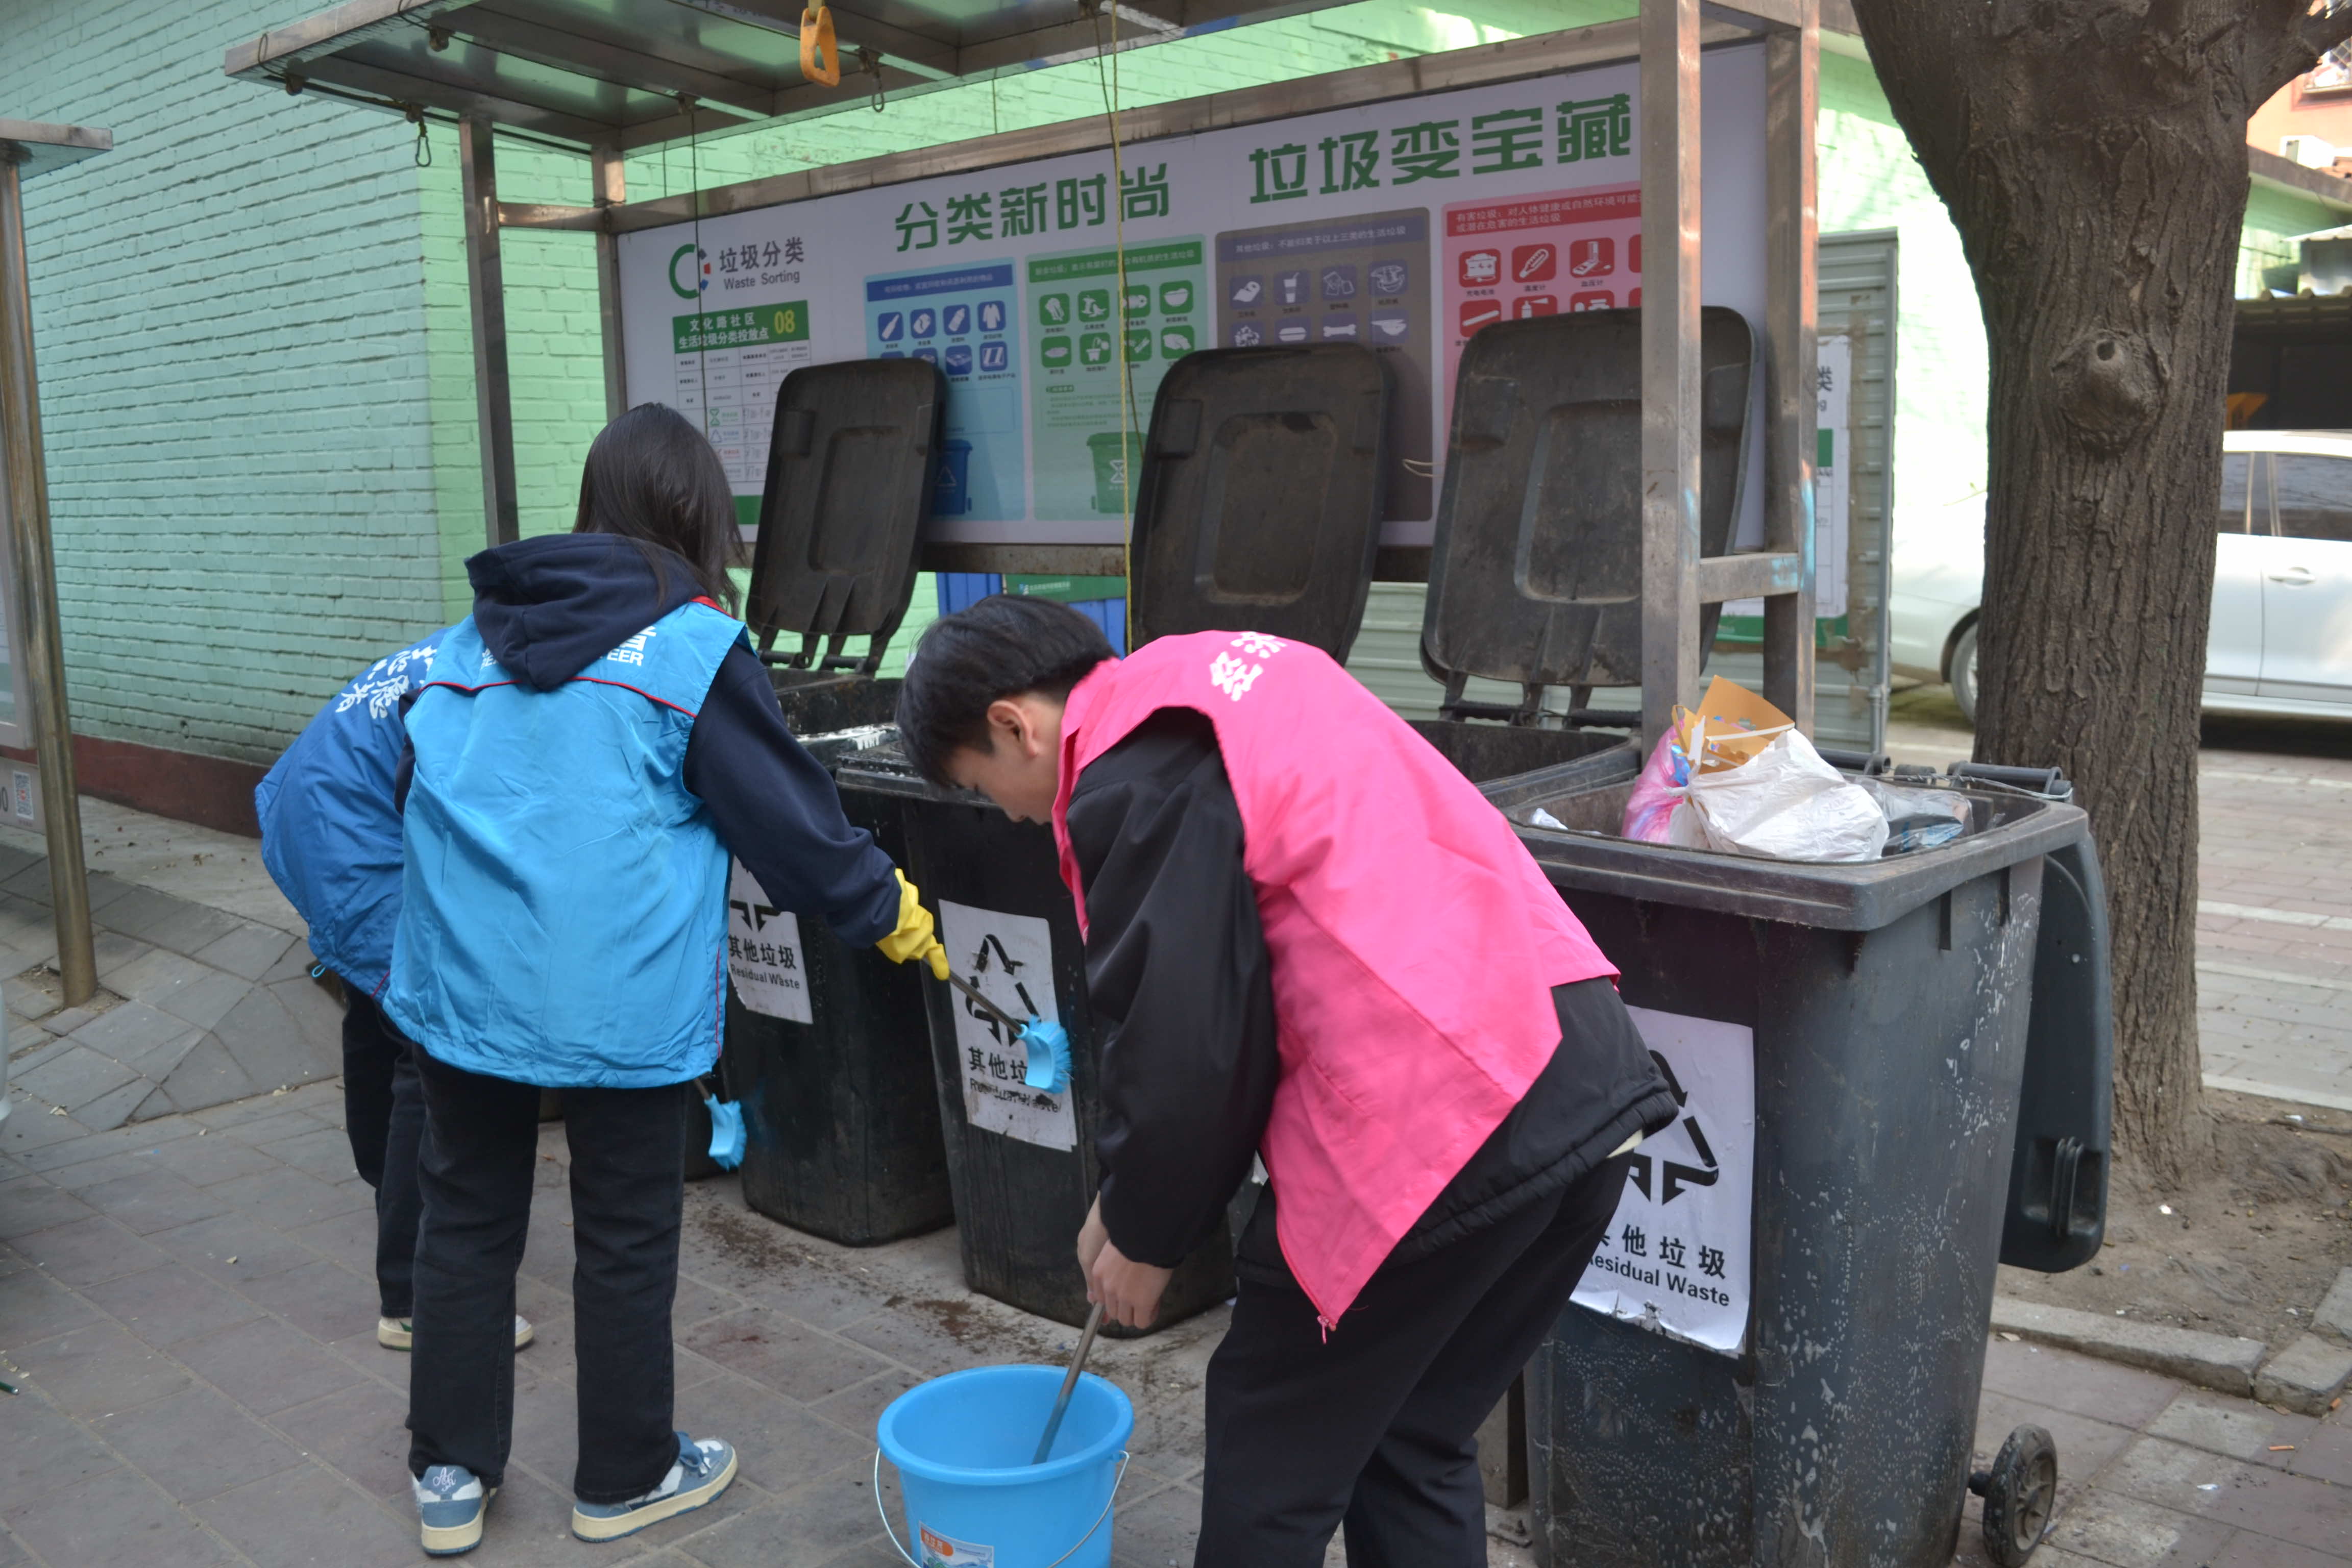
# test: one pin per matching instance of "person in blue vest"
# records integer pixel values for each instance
(588, 748)
(330, 840)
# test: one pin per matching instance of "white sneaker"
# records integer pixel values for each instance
(450, 1501)
(703, 1470)
(399, 1333)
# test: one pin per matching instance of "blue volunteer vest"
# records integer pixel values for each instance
(564, 915)
(330, 832)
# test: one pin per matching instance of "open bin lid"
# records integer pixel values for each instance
(850, 470)
(1259, 504)
(1536, 577)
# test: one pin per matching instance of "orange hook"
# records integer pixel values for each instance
(816, 33)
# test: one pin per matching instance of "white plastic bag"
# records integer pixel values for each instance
(1786, 803)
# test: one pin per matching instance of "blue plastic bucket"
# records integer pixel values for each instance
(962, 1445)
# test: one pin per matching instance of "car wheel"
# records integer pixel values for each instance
(1964, 673)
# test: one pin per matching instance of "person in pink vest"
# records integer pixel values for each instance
(1309, 938)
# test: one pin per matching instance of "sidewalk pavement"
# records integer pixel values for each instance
(204, 995)
(2274, 900)
(187, 1306)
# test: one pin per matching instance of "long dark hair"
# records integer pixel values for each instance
(651, 478)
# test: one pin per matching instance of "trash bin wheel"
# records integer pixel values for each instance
(2019, 1493)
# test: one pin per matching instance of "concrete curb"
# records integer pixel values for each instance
(2219, 1362)
(2305, 1376)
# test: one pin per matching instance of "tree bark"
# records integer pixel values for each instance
(2093, 156)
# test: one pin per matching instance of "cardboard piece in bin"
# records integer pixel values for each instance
(1731, 725)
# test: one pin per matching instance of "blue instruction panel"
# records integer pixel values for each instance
(961, 320)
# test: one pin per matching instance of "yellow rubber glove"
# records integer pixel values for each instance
(913, 939)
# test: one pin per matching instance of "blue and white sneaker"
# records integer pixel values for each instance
(450, 1500)
(703, 1470)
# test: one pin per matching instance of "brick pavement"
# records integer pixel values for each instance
(187, 1306)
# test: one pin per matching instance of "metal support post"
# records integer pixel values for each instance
(36, 587)
(1670, 360)
(1792, 96)
(486, 292)
(605, 166)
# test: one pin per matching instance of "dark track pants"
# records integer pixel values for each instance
(1378, 1428)
(480, 1157)
(383, 1116)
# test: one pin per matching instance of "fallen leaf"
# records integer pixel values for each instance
(2012, 1339)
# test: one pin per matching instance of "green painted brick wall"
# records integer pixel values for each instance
(227, 312)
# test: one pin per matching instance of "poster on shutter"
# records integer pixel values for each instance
(1009, 958)
(763, 951)
(1675, 1257)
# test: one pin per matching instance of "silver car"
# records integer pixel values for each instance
(2281, 637)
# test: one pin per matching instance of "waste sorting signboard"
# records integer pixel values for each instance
(1675, 1257)
(1403, 225)
(763, 951)
(1009, 958)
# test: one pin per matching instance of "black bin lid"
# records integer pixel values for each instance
(1258, 508)
(1535, 576)
(851, 465)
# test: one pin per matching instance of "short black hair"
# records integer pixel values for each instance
(1001, 647)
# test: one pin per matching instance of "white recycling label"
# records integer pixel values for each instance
(763, 951)
(946, 1552)
(1675, 1257)
(1009, 958)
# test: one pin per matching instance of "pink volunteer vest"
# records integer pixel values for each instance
(1414, 942)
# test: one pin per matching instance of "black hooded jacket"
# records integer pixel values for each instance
(1181, 983)
(549, 607)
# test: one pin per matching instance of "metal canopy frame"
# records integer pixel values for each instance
(28, 148)
(627, 74)
(1666, 39)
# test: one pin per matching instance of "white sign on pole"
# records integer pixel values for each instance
(1009, 958)
(1405, 225)
(1675, 1258)
(763, 951)
(1832, 477)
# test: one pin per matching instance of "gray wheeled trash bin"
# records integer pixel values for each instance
(1258, 508)
(828, 1049)
(1777, 1355)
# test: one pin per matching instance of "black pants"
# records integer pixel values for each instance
(481, 1150)
(1378, 1426)
(384, 1115)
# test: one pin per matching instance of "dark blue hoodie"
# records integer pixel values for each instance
(549, 607)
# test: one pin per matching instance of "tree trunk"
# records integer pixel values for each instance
(2092, 155)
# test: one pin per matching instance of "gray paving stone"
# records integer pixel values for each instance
(168, 1305)
(118, 1517)
(310, 1516)
(196, 1444)
(324, 1301)
(2335, 1313)
(34, 1307)
(266, 1365)
(360, 1432)
(283, 1197)
(2306, 1376)
(346, 1239)
(294, 964)
(272, 1044)
(106, 1168)
(154, 974)
(208, 1076)
(29, 1203)
(113, 949)
(790, 1358)
(86, 1251)
(207, 1001)
(156, 1200)
(251, 951)
(116, 1107)
(73, 1078)
(28, 1131)
(204, 1161)
(129, 1029)
(321, 1152)
(133, 912)
(814, 1523)
(781, 1443)
(2223, 1426)
(191, 930)
(2126, 1533)
(2210, 1361)
(96, 1369)
(99, 1145)
(44, 1449)
(233, 1248)
(67, 1020)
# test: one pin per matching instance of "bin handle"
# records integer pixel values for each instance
(893, 1530)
